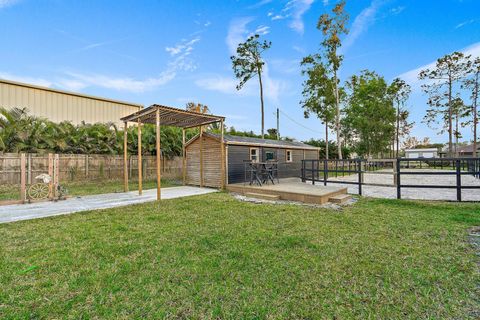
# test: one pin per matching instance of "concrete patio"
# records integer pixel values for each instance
(18, 212)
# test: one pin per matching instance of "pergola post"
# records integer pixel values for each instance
(23, 176)
(162, 115)
(139, 157)
(159, 155)
(125, 158)
(184, 158)
(222, 155)
(201, 156)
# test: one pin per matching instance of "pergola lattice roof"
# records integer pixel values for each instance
(172, 117)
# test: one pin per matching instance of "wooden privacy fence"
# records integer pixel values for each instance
(78, 167)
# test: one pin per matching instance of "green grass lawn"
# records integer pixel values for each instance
(83, 188)
(214, 257)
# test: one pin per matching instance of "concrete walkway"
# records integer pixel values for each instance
(19, 212)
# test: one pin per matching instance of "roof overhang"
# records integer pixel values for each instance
(172, 117)
(252, 144)
(425, 150)
(273, 146)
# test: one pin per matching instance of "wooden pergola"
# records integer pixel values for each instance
(168, 116)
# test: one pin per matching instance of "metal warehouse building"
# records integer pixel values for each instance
(57, 105)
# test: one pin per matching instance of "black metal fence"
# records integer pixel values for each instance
(321, 170)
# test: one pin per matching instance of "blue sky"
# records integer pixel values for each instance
(172, 52)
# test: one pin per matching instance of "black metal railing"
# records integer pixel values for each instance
(457, 167)
(313, 169)
(321, 170)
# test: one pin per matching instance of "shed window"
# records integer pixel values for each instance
(270, 155)
(288, 156)
(254, 154)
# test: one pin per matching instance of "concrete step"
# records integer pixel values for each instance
(339, 199)
(262, 196)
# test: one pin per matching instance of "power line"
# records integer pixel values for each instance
(298, 123)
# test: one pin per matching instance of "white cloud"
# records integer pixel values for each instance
(262, 30)
(180, 62)
(464, 23)
(361, 23)
(412, 76)
(221, 84)
(300, 7)
(259, 4)
(237, 32)
(7, 3)
(79, 81)
(278, 17)
(272, 88)
(184, 47)
(71, 84)
(397, 10)
(30, 80)
(98, 44)
(75, 81)
(325, 2)
(294, 10)
(285, 66)
(299, 49)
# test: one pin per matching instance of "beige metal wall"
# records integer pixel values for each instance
(57, 105)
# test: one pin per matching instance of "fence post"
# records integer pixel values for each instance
(23, 187)
(56, 174)
(399, 191)
(325, 172)
(360, 178)
(86, 166)
(459, 180)
(50, 173)
(303, 170)
(394, 169)
(29, 170)
(313, 172)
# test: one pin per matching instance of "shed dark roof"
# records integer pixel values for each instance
(229, 139)
(468, 148)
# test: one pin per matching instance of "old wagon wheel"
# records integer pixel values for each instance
(38, 191)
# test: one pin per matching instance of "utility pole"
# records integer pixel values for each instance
(278, 124)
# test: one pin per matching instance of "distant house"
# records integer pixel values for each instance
(467, 151)
(421, 153)
(289, 155)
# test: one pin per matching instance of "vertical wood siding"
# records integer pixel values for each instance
(211, 162)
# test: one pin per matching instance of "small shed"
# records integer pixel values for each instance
(237, 150)
(421, 153)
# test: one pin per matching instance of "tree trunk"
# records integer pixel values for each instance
(456, 134)
(326, 140)
(397, 135)
(261, 102)
(337, 118)
(475, 116)
(450, 114)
